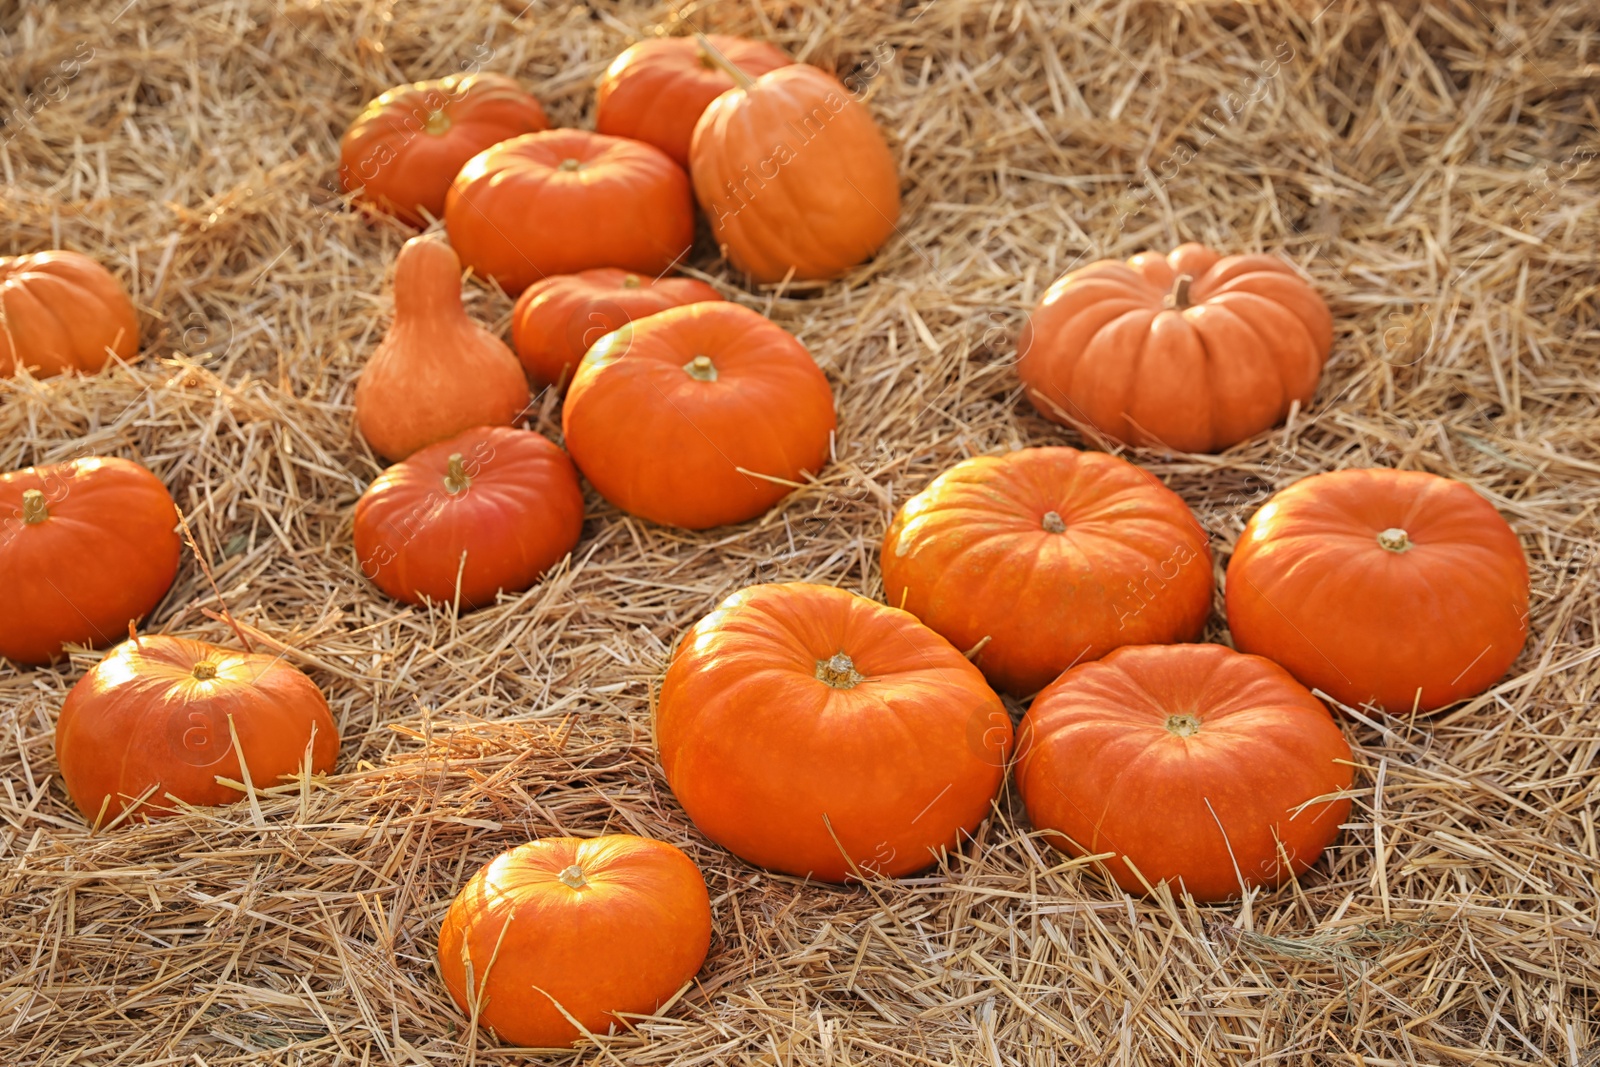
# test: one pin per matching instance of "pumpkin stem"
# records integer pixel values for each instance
(570, 164)
(1178, 299)
(631, 282)
(573, 877)
(438, 123)
(455, 479)
(204, 671)
(701, 369)
(34, 510)
(839, 671)
(1394, 539)
(1183, 725)
(1053, 522)
(709, 51)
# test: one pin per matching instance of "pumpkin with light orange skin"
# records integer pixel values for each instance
(62, 312)
(86, 547)
(656, 90)
(568, 200)
(406, 147)
(436, 372)
(1193, 765)
(1189, 351)
(821, 734)
(490, 509)
(698, 416)
(794, 175)
(1047, 557)
(563, 926)
(557, 319)
(161, 715)
(1399, 588)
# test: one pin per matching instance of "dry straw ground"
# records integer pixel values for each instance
(1429, 165)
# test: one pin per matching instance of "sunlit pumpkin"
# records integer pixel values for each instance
(61, 312)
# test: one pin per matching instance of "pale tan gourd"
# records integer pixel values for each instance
(436, 372)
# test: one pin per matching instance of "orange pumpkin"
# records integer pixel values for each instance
(556, 319)
(819, 733)
(1400, 588)
(60, 312)
(489, 509)
(1187, 351)
(436, 372)
(1190, 764)
(568, 200)
(698, 416)
(598, 926)
(406, 146)
(657, 89)
(86, 547)
(794, 175)
(166, 716)
(1047, 557)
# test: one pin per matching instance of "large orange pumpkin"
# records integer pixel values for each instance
(436, 372)
(583, 927)
(1190, 764)
(657, 89)
(794, 175)
(819, 733)
(698, 416)
(565, 201)
(61, 311)
(1186, 351)
(557, 318)
(1396, 587)
(160, 715)
(86, 547)
(489, 509)
(1047, 557)
(406, 146)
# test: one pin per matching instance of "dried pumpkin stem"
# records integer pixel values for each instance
(437, 124)
(204, 671)
(34, 510)
(839, 671)
(709, 51)
(701, 369)
(631, 281)
(1183, 725)
(570, 164)
(455, 479)
(1394, 539)
(1053, 523)
(573, 877)
(1178, 299)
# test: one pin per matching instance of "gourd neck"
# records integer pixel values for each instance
(701, 369)
(1182, 725)
(709, 53)
(839, 671)
(455, 478)
(34, 508)
(1178, 299)
(427, 283)
(1394, 540)
(573, 877)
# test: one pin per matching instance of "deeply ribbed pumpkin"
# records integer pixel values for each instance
(86, 547)
(61, 311)
(1187, 351)
(490, 509)
(1397, 587)
(698, 416)
(569, 200)
(1190, 764)
(794, 175)
(575, 927)
(436, 372)
(557, 319)
(159, 715)
(819, 733)
(1047, 557)
(406, 146)
(656, 90)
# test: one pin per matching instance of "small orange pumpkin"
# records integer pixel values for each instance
(586, 928)
(816, 732)
(490, 509)
(1048, 557)
(1189, 351)
(557, 319)
(1191, 764)
(406, 147)
(794, 175)
(60, 312)
(698, 416)
(568, 200)
(86, 547)
(657, 89)
(160, 715)
(1397, 587)
(436, 372)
